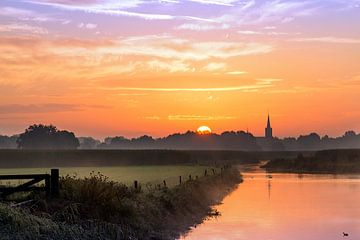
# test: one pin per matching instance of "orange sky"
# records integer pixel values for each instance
(100, 74)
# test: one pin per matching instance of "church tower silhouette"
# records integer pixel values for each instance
(268, 129)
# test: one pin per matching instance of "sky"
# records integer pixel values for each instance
(133, 67)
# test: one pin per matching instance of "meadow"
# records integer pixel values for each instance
(154, 174)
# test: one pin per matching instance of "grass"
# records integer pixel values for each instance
(327, 161)
(96, 207)
(124, 174)
(16, 158)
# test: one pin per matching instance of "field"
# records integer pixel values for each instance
(124, 174)
(97, 158)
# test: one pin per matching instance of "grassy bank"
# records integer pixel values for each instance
(96, 208)
(327, 161)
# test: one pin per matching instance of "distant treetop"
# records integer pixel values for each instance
(46, 137)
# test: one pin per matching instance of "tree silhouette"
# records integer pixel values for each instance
(46, 137)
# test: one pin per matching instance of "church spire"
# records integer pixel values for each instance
(268, 129)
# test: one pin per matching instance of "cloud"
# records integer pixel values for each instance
(96, 4)
(174, 66)
(202, 26)
(15, 12)
(152, 118)
(22, 28)
(27, 15)
(268, 81)
(87, 25)
(37, 108)
(215, 67)
(215, 89)
(216, 2)
(198, 118)
(236, 72)
(44, 108)
(114, 8)
(329, 40)
(277, 11)
(167, 47)
(248, 32)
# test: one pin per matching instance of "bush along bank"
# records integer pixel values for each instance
(97, 208)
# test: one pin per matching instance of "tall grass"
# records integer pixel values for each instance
(96, 206)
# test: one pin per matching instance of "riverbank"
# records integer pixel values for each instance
(96, 208)
(327, 161)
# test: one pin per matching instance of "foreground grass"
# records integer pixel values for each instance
(96, 208)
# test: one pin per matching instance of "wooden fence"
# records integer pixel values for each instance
(51, 186)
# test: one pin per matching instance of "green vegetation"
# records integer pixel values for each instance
(86, 158)
(327, 161)
(97, 208)
(154, 174)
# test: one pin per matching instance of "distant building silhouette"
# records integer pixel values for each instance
(269, 142)
(268, 129)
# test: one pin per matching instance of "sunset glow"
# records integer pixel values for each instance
(105, 67)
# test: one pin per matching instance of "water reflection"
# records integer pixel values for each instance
(287, 206)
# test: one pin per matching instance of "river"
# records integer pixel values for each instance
(286, 206)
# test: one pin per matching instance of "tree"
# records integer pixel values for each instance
(88, 143)
(309, 142)
(46, 137)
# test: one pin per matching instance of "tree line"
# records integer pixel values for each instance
(49, 137)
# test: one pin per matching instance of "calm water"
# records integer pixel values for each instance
(287, 206)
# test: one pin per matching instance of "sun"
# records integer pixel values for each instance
(203, 130)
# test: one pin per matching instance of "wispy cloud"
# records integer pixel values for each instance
(87, 25)
(22, 28)
(277, 11)
(236, 72)
(218, 89)
(202, 26)
(248, 32)
(214, 66)
(15, 12)
(152, 118)
(27, 15)
(216, 2)
(44, 108)
(168, 47)
(198, 118)
(104, 4)
(174, 66)
(114, 8)
(329, 40)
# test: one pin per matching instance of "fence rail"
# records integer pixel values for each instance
(51, 186)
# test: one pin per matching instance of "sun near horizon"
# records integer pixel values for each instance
(109, 67)
(204, 130)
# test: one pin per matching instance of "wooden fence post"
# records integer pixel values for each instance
(180, 180)
(164, 183)
(205, 173)
(54, 182)
(47, 186)
(135, 184)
